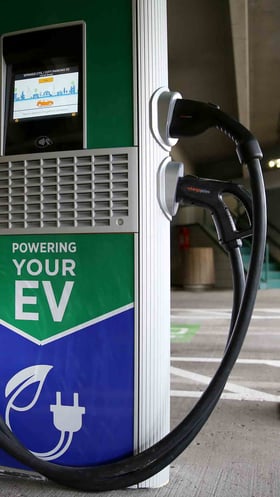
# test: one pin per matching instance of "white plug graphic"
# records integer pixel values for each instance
(67, 418)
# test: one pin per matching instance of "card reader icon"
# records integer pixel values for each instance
(43, 142)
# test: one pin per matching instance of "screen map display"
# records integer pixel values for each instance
(46, 93)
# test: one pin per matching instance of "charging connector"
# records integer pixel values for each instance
(209, 194)
(67, 418)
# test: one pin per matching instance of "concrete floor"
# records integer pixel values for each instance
(236, 454)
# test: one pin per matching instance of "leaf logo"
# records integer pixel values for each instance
(19, 382)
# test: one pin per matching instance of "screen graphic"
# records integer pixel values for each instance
(46, 93)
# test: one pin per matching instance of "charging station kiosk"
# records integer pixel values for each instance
(84, 232)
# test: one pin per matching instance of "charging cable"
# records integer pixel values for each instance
(188, 119)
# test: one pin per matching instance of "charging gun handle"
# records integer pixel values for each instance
(191, 117)
(208, 194)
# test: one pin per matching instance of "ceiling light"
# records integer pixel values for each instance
(274, 163)
(271, 163)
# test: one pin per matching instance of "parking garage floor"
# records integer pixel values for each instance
(237, 452)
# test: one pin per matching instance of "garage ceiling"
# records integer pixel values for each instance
(226, 52)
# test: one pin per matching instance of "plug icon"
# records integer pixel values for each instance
(67, 418)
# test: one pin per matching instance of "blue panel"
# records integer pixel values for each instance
(96, 364)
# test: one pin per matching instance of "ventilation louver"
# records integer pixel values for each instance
(88, 190)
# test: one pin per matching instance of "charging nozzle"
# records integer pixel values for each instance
(191, 117)
(210, 194)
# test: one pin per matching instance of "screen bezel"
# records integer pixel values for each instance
(46, 49)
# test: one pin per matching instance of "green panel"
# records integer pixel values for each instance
(109, 59)
(53, 283)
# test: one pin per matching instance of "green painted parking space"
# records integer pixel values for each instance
(183, 332)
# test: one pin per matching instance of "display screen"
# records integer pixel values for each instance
(46, 93)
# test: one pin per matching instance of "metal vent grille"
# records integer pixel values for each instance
(88, 190)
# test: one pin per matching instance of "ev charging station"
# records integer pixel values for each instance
(87, 192)
(84, 240)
